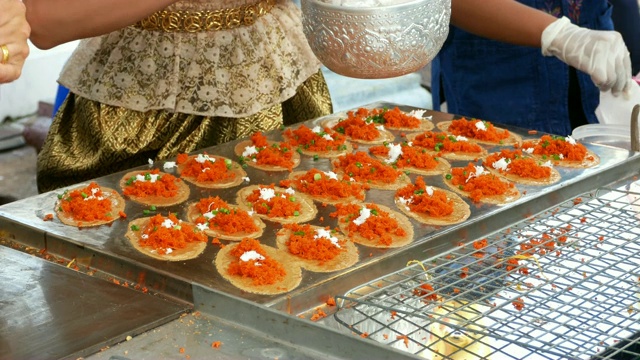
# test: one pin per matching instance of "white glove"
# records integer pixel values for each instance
(601, 54)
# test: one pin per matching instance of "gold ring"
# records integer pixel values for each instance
(5, 54)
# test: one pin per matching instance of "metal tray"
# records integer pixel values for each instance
(106, 249)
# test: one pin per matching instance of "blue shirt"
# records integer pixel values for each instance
(516, 85)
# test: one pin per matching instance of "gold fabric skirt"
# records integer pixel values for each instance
(88, 139)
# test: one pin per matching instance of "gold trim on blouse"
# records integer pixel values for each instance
(206, 20)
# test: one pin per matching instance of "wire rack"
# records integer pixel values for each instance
(562, 285)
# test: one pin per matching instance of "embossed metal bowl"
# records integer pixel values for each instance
(376, 43)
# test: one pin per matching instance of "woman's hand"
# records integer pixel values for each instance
(14, 32)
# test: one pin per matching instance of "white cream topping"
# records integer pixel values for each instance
(201, 158)
(479, 170)
(548, 164)
(209, 215)
(169, 165)
(501, 164)
(429, 190)
(331, 175)
(202, 226)
(153, 179)
(326, 234)
(417, 113)
(246, 178)
(167, 223)
(528, 150)
(290, 191)
(405, 201)
(252, 256)
(570, 140)
(481, 126)
(395, 150)
(249, 150)
(461, 138)
(150, 161)
(267, 194)
(365, 213)
(317, 129)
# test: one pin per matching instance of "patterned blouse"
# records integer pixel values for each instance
(231, 73)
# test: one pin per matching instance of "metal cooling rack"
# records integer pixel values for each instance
(574, 269)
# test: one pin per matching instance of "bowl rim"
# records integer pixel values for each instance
(363, 9)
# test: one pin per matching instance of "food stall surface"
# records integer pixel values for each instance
(285, 318)
(52, 312)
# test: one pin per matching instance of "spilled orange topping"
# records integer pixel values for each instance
(86, 204)
(519, 165)
(379, 226)
(318, 183)
(266, 271)
(445, 143)
(556, 148)
(486, 184)
(470, 129)
(282, 205)
(418, 199)
(221, 217)
(270, 153)
(164, 185)
(363, 168)
(324, 141)
(167, 232)
(211, 169)
(425, 290)
(305, 243)
(412, 156)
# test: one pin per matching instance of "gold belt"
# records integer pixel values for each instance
(206, 20)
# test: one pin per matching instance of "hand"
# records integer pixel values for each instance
(14, 32)
(601, 54)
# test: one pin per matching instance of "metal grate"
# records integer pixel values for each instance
(574, 270)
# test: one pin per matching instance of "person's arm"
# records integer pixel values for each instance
(601, 54)
(502, 20)
(54, 22)
(14, 32)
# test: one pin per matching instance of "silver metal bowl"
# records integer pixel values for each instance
(376, 43)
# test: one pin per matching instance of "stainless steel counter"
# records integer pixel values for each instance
(284, 318)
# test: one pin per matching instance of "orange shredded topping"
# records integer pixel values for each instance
(379, 226)
(266, 271)
(426, 291)
(163, 186)
(396, 118)
(486, 184)
(444, 143)
(469, 129)
(519, 165)
(518, 304)
(557, 148)
(304, 243)
(216, 344)
(480, 244)
(122, 214)
(47, 217)
(412, 156)
(363, 168)
(404, 338)
(86, 204)
(331, 302)
(167, 232)
(225, 219)
(324, 141)
(357, 126)
(271, 154)
(319, 314)
(281, 205)
(418, 199)
(211, 169)
(318, 183)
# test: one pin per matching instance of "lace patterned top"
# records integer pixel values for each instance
(230, 73)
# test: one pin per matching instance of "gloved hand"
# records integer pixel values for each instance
(601, 54)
